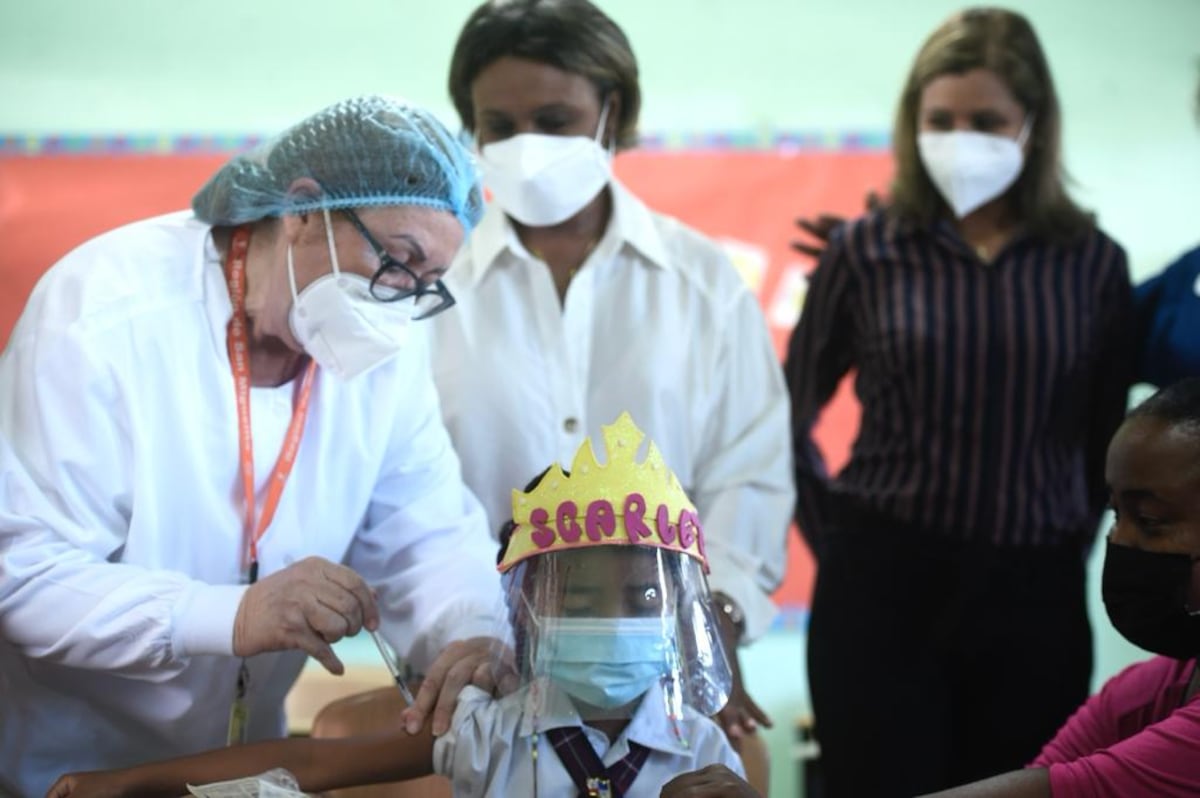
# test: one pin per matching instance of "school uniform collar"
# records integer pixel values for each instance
(548, 707)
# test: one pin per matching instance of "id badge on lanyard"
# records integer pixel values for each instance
(598, 787)
(239, 713)
(238, 343)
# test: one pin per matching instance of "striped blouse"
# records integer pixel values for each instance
(988, 390)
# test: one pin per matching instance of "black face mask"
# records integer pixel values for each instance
(1145, 594)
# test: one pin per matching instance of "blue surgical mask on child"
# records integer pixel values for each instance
(604, 662)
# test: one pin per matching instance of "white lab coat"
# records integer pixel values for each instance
(121, 520)
(657, 322)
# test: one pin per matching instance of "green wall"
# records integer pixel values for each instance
(1126, 71)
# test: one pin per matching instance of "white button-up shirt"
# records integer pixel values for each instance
(121, 517)
(656, 322)
(488, 751)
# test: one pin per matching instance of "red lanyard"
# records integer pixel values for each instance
(239, 359)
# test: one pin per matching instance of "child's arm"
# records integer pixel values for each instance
(318, 765)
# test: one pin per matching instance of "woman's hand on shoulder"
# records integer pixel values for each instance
(485, 662)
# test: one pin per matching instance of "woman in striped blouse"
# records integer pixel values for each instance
(988, 321)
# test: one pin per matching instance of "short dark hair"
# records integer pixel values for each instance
(1005, 43)
(572, 35)
(1177, 404)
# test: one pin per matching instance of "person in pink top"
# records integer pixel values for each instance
(1140, 735)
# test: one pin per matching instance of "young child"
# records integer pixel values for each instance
(615, 642)
(1140, 735)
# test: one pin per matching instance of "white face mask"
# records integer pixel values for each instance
(338, 322)
(541, 180)
(971, 169)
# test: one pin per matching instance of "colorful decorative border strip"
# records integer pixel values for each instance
(125, 144)
(768, 140)
(189, 144)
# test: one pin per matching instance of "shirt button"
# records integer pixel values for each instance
(571, 424)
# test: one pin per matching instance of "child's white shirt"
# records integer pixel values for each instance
(488, 751)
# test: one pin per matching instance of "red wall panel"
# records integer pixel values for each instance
(746, 199)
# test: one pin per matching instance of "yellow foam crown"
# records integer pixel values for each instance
(621, 502)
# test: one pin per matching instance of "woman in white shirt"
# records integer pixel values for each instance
(218, 453)
(577, 302)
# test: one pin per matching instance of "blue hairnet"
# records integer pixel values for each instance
(362, 151)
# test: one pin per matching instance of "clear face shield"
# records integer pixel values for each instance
(613, 626)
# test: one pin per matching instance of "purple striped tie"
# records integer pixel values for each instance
(593, 779)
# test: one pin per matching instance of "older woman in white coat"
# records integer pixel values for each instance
(221, 450)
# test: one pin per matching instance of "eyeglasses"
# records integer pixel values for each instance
(394, 281)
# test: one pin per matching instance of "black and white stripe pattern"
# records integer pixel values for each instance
(989, 390)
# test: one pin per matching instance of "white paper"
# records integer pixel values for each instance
(277, 783)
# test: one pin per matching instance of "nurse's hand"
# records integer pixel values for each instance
(484, 662)
(306, 606)
(714, 781)
(99, 784)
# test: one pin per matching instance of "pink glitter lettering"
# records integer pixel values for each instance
(568, 527)
(666, 530)
(635, 512)
(600, 520)
(542, 535)
(689, 526)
